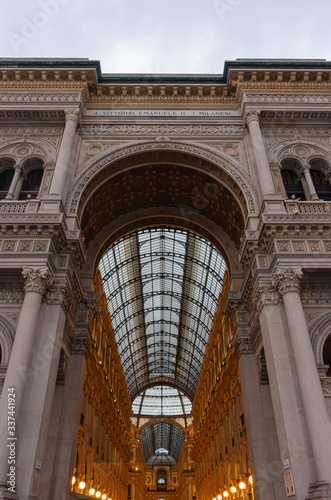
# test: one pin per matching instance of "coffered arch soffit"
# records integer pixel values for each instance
(303, 151)
(217, 165)
(21, 151)
(319, 332)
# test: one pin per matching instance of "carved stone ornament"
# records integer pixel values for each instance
(287, 280)
(80, 345)
(326, 386)
(244, 345)
(265, 294)
(37, 279)
(11, 293)
(72, 114)
(262, 364)
(58, 294)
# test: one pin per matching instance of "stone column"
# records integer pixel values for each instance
(60, 176)
(15, 179)
(292, 430)
(261, 159)
(261, 432)
(312, 192)
(37, 280)
(287, 283)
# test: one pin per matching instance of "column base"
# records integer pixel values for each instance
(319, 491)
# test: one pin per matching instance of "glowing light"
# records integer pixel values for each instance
(214, 498)
(250, 479)
(242, 485)
(98, 494)
(81, 485)
(219, 497)
(92, 491)
(104, 496)
(233, 489)
(73, 480)
(225, 494)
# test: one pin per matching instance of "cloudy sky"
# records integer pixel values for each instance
(165, 36)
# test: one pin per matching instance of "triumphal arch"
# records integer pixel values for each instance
(165, 282)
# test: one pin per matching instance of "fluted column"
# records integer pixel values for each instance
(63, 159)
(261, 159)
(312, 192)
(13, 184)
(37, 280)
(287, 283)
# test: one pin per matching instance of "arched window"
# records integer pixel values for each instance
(327, 355)
(322, 185)
(31, 185)
(292, 185)
(6, 175)
(162, 477)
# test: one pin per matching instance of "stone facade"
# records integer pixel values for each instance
(244, 160)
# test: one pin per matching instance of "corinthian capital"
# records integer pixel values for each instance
(72, 114)
(287, 280)
(37, 279)
(251, 115)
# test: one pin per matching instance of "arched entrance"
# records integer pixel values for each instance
(173, 204)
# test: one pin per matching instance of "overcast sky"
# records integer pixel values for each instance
(165, 36)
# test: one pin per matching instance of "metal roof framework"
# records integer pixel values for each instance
(162, 286)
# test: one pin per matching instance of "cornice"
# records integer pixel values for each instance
(227, 89)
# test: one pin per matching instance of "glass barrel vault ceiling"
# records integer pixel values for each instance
(162, 285)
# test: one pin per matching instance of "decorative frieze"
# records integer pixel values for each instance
(158, 130)
(11, 293)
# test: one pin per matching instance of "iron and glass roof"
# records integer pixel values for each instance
(160, 401)
(162, 286)
(161, 443)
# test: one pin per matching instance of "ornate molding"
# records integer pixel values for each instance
(287, 280)
(289, 98)
(37, 279)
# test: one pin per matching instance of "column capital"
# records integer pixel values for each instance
(275, 166)
(37, 279)
(251, 115)
(72, 114)
(287, 280)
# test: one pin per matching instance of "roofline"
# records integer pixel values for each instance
(170, 79)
